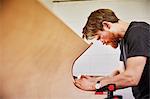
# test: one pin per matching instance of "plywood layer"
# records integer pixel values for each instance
(37, 51)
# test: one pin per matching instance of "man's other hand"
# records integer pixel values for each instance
(87, 82)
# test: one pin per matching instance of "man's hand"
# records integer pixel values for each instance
(87, 82)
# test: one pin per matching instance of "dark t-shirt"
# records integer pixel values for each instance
(137, 43)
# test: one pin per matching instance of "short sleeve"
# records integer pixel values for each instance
(138, 42)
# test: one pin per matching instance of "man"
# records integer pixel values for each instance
(134, 40)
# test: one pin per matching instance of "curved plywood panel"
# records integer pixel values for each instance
(36, 54)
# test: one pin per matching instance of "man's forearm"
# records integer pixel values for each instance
(121, 81)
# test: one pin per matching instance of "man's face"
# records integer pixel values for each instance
(107, 38)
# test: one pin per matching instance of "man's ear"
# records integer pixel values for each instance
(106, 25)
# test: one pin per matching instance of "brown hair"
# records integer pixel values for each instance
(94, 22)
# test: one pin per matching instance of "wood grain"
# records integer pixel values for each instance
(37, 51)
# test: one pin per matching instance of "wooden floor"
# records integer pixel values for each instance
(37, 51)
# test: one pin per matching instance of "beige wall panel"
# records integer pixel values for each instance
(36, 54)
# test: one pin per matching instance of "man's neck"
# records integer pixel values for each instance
(123, 28)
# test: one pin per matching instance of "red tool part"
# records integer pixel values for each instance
(110, 88)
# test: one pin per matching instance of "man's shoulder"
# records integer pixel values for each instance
(139, 24)
(139, 28)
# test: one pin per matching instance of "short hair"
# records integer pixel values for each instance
(94, 22)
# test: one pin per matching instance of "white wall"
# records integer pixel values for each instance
(99, 59)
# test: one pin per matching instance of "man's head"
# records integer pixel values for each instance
(100, 25)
